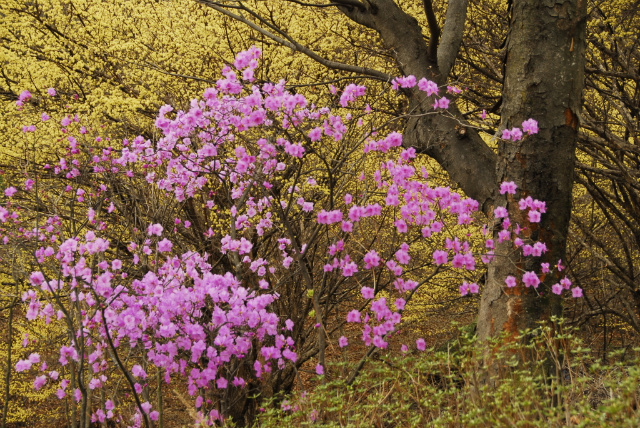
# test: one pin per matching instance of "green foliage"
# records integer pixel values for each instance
(452, 388)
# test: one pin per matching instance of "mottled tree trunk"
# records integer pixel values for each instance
(543, 79)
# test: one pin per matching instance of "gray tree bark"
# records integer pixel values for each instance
(544, 77)
(544, 74)
(452, 33)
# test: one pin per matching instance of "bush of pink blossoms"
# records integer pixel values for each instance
(252, 156)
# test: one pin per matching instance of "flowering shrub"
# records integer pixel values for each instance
(268, 215)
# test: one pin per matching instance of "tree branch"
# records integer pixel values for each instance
(361, 14)
(451, 35)
(434, 29)
(289, 42)
(182, 76)
(345, 3)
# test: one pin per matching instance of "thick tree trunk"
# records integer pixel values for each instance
(543, 80)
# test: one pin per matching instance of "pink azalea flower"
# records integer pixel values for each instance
(508, 187)
(464, 289)
(403, 257)
(137, 371)
(443, 103)
(428, 86)
(154, 229)
(288, 325)
(367, 292)
(510, 281)
(530, 126)
(534, 216)
(530, 279)
(371, 259)
(401, 225)
(501, 212)
(353, 316)
(349, 269)
(474, 288)
(24, 96)
(23, 365)
(10, 191)
(516, 134)
(39, 382)
(165, 245)
(315, 134)
(440, 257)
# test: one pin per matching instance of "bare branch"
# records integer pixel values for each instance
(434, 29)
(350, 3)
(451, 35)
(358, 12)
(289, 42)
(345, 3)
(182, 76)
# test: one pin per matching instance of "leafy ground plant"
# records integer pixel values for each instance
(451, 387)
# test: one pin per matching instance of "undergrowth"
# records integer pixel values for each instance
(551, 381)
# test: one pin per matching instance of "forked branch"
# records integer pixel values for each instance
(451, 35)
(291, 43)
(434, 29)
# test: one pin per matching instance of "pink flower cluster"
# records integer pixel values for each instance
(530, 126)
(350, 93)
(163, 311)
